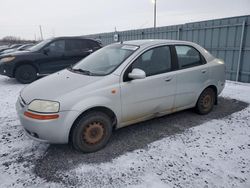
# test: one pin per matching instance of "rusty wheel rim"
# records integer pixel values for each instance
(207, 102)
(93, 133)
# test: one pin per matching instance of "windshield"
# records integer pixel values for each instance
(105, 60)
(39, 45)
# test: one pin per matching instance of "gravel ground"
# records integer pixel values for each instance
(179, 150)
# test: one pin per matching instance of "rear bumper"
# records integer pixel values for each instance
(220, 87)
(6, 69)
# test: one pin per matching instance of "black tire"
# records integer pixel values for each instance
(92, 132)
(206, 101)
(26, 74)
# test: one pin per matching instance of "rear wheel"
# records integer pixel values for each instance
(26, 74)
(206, 101)
(92, 132)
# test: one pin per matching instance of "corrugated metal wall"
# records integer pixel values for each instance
(228, 39)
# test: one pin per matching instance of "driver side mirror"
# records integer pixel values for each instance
(137, 74)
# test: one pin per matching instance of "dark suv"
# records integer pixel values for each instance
(46, 57)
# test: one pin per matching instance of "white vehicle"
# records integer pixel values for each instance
(119, 85)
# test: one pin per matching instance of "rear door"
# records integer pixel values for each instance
(191, 76)
(144, 98)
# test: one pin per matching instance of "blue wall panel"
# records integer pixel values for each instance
(222, 37)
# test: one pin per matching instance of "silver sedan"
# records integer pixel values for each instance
(119, 85)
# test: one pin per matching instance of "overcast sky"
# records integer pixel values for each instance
(78, 17)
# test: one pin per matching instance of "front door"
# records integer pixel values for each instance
(153, 95)
(53, 57)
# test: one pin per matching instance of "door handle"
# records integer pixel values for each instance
(168, 79)
(204, 71)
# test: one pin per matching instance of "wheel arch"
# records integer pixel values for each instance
(215, 91)
(103, 109)
(24, 62)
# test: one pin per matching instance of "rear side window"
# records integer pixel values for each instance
(188, 56)
(93, 44)
(85, 45)
(76, 45)
(154, 61)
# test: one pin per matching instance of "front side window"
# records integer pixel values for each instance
(188, 57)
(105, 60)
(57, 46)
(40, 45)
(154, 61)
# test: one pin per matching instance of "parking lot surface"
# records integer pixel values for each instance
(179, 150)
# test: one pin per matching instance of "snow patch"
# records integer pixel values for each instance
(214, 154)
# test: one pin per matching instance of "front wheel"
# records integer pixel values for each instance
(26, 74)
(92, 132)
(206, 101)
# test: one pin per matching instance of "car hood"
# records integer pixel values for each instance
(56, 85)
(8, 51)
(15, 53)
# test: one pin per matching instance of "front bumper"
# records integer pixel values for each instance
(49, 131)
(6, 69)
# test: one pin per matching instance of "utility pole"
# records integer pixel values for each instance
(154, 2)
(41, 32)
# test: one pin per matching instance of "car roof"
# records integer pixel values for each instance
(150, 42)
(73, 37)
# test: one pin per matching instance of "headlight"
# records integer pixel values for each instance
(7, 59)
(44, 106)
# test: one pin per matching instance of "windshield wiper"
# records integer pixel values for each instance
(82, 71)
